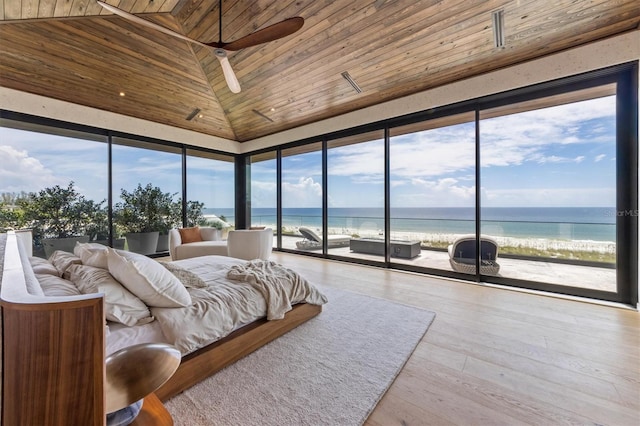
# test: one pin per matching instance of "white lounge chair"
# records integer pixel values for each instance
(314, 241)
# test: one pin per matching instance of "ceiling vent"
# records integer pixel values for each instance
(193, 114)
(497, 19)
(351, 81)
(255, 111)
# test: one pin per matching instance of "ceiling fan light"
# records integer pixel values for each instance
(229, 75)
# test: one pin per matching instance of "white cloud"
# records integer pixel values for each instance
(303, 193)
(441, 160)
(39, 160)
(556, 159)
(599, 158)
(436, 193)
(365, 159)
(263, 194)
(513, 139)
(21, 172)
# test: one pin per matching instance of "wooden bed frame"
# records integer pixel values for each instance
(53, 351)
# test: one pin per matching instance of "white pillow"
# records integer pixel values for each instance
(119, 304)
(147, 279)
(92, 254)
(62, 260)
(43, 266)
(53, 285)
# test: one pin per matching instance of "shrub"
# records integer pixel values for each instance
(145, 209)
(58, 212)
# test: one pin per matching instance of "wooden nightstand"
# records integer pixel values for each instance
(153, 413)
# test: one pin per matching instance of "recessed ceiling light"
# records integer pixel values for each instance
(200, 115)
(122, 94)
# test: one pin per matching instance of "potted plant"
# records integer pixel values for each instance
(98, 230)
(172, 219)
(59, 217)
(142, 215)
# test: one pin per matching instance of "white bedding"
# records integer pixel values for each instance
(120, 336)
(219, 306)
(224, 304)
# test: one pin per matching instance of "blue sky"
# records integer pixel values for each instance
(562, 156)
(32, 161)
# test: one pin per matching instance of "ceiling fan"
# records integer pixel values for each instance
(220, 48)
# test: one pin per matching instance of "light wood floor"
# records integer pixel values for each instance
(500, 357)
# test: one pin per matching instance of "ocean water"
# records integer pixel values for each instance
(567, 223)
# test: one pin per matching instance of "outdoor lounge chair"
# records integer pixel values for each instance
(462, 255)
(314, 241)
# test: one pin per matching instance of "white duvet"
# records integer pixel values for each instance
(220, 304)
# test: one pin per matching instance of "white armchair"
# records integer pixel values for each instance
(245, 244)
(250, 244)
(210, 243)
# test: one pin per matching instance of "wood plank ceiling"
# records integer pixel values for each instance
(78, 52)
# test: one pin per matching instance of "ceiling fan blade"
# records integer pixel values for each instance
(149, 24)
(229, 75)
(270, 33)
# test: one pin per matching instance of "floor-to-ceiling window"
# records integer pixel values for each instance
(551, 172)
(263, 197)
(146, 185)
(210, 189)
(432, 189)
(548, 173)
(55, 179)
(355, 195)
(54, 182)
(301, 184)
(533, 188)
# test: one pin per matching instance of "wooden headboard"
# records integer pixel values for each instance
(52, 350)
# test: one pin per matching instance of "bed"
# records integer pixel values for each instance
(57, 328)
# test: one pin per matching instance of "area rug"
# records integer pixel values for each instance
(331, 370)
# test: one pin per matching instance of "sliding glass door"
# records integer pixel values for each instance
(355, 192)
(534, 188)
(432, 179)
(210, 190)
(146, 185)
(548, 173)
(262, 176)
(302, 195)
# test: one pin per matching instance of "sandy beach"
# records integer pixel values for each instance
(440, 239)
